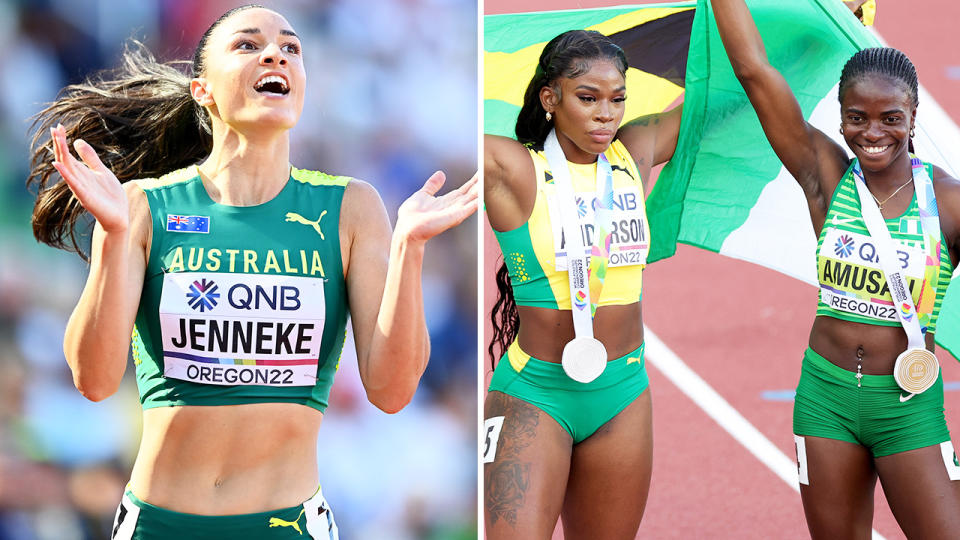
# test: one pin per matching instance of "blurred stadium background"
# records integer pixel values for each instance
(392, 97)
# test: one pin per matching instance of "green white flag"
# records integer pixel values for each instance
(724, 190)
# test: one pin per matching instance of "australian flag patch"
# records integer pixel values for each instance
(188, 224)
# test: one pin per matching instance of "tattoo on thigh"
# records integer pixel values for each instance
(508, 477)
(506, 488)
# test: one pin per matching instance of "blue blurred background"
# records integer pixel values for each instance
(392, 97)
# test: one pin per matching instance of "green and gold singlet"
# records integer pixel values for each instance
(532, 250)
(241, 304)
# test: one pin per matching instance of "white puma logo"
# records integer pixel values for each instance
(293, 216)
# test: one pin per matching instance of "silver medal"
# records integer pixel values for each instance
(584, 359)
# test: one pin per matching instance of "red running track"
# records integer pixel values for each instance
(706, 484)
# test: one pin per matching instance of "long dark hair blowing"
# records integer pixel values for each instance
(884, 61)
(140, 118)
(568, 55)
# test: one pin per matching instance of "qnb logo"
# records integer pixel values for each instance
(581, 207)
(844, 246)
(203, 295)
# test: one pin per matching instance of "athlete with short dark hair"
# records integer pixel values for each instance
(869, 401)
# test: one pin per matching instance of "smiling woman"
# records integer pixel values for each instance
(234, 272)
(869, 403)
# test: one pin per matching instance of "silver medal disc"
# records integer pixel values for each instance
(584, 359)
(916, 370)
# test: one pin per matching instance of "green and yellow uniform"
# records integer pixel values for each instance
(239, 305)
(532, 252)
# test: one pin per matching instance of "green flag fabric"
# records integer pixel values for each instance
(724, 190)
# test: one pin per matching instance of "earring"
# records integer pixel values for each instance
(841, 130)
(911, 133)
(549, 116)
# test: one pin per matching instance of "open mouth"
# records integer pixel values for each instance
(272, 84)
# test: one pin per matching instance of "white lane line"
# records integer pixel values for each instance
(712, 403)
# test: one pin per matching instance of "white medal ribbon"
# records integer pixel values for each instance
(584, 358)
(916, 368)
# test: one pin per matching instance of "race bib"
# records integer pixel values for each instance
(851, 279)
(802, 471)
(629, 231)
(241, 329)
(491, 427)
(950, 460)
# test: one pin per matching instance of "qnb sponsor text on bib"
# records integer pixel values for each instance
(242, 329)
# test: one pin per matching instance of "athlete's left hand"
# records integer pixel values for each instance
(423, 215)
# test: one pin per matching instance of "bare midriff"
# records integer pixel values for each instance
(544, 332)
(231, 459)
(841, 341)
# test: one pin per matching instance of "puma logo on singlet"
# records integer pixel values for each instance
(619, 168)
(293, 216)
(548, 178)
(277, 522)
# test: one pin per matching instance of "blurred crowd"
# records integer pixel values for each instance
(392, 97)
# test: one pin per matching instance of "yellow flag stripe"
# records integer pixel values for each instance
(507, 74)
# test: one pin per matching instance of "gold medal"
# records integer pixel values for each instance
(916, 370)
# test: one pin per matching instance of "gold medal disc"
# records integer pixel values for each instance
(916, 370)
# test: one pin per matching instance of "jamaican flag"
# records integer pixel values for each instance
(724, 190)
(512, 46)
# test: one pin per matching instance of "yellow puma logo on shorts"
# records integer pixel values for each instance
(277, 522)
(293, 216)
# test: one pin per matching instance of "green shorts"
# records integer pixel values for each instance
(139, 520)
(829, 404)
(580, 408)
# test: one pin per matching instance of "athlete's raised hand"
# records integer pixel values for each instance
(424, 215)
(94, 185)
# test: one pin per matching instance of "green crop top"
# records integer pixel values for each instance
(241, 304)
(852, 284)
(531, 250)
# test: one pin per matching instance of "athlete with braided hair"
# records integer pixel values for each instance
(558, 443)
(869, 402)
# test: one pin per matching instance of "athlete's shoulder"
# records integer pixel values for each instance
(947, 187)
(362, 212)
(361, 194)
(503, 148)
(947, 190)
(942, 176)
